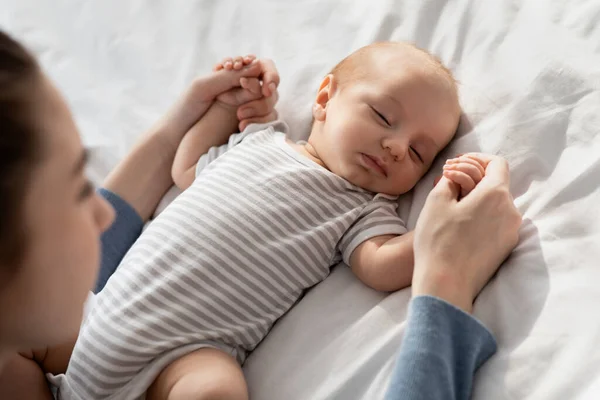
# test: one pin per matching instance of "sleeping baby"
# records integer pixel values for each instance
(261, 220)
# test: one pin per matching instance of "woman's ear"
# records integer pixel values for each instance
(323, 97)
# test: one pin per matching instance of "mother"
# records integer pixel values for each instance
(51, 220)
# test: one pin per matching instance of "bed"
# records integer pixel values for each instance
(529, 81)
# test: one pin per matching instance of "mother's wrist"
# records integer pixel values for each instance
(443, 283)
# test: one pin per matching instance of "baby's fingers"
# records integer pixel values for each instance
(463, 180)
(467, 168)
(270, 77)
(466, 158)
(251, 84)
(258, 108)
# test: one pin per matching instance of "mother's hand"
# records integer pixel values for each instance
(263, 109)
(256, 98)
(459, 245)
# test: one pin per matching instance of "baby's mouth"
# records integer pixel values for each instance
(374, 164)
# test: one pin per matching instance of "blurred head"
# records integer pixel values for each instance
(50, 216)
(383, 114)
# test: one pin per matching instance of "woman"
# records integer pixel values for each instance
(51, 219)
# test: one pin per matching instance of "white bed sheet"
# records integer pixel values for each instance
(529, 82)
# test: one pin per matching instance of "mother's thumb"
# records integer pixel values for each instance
(496, 169)
(446, 189)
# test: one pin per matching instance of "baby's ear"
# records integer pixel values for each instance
(323, 97)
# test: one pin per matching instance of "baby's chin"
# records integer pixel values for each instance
(384, 187)
(386, 190)
(364, 180)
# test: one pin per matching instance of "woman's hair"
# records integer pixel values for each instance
(19, 144)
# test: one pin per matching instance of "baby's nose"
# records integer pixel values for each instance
(396, 149)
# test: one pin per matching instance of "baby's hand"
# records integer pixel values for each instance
(269, 79)
(466, 170)
(248, 89)
(256, 97)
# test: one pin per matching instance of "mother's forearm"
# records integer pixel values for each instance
(442, 348)
(144, 175)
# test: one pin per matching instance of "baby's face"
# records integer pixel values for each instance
(383, 131)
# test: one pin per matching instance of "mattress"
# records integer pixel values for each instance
(529, 86)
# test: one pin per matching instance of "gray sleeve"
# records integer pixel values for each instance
(217, 151)
(378, 218)
(441, 350)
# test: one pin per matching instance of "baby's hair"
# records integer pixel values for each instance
(352, 67)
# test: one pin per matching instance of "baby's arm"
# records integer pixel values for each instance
(220, 121)
(386, 262)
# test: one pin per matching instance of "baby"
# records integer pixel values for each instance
(261, 220)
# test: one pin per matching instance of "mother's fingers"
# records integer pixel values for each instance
(496, 168)
(258, 120)
(445, 190)
(461, 178)
(251, 84)
(497, 172)
(265, 70)
(270, 76)
(259, 107)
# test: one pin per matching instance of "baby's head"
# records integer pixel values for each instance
(382, 115)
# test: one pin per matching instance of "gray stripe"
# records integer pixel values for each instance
(136, 342)
(323, 182)
(270, 266)
(103, 349)
(140, 311)
(300, 223)
(165, 297)
(292, 254)
(209, 285)
(253, 229)
(209, 250)
(112, 326)
(320, 251)
(209, 244)
(82, 378)
(317, 198)
(332, 208)
(227, 310)
(237, 285)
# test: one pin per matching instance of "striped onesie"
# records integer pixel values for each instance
(260, 224)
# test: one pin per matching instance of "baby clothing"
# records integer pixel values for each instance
(260, 224)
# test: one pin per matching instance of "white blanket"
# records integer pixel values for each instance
(529, 82)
